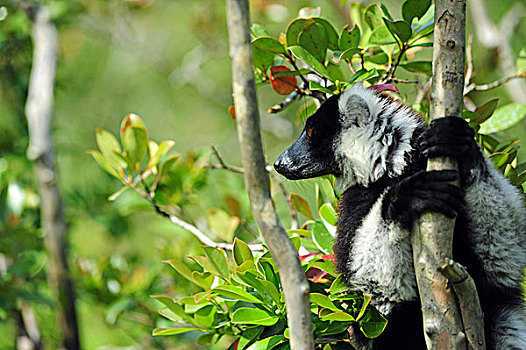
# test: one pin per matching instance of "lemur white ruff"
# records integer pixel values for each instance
(377, 148)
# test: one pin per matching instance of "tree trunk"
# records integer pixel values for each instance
(433, 234)
(295, 286)
(39, 111)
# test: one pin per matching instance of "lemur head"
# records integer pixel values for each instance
(358, 136)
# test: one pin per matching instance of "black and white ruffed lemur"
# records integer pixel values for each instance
(377, 148)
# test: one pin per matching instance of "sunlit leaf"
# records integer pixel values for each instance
(206, 316)
(135, 141)
(253, 316)
(414, 8)
(332, 35)
(503, 118)
(174, 331)
(322, 237)
(401, 29)
(218, 259)
(372, 324)
(323, 301)
(314, 40)
(295, 28)
(381, 36)
(104, 163)
(349, 38)
(235, 293)
(305, 56)
(300, 204)
(267, 343)
(161, 151)
(107, 144)
(269, 44)
(373, 16)
(241, 252)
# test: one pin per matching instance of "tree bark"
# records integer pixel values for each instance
(39, 111)
(433, 234)
(295, 286)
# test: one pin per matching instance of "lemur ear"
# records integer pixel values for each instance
(353, 110)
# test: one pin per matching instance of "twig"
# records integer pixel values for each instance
(469, 62)
(389, 74)
(489, 86)
(183, 224)
(275, 177)
(404, 81)
(284, 104)
(492, 37)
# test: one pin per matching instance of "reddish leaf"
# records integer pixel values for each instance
(329, 257)
(232, 111)
(316, 275)
(303, 257)
(282, 85)
(385, 87)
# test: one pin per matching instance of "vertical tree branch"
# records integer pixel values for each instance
(39, 111)
(295, 286)
(433, 234)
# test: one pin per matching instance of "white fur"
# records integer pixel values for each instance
(496, 211)
(510, 330)
(362, 150)
(382, 261)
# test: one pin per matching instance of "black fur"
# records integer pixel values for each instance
(407, 194)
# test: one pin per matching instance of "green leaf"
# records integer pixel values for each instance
(424, 67)
(253, 316)
(104, 163)
(248, 336)
(262, 59)
(322, 238)
(314, 40)
(332, 35)
(268, 343)
(504, 118)
(381, 36)
(286, 73)
(373, 16)
(401, 29)
(250, 278)
(300, 204)
(323, 301)
(365, 303)
(218, 259)
(484, 111)
(174, 331)
(499, 158)
(203, 279)
(167, 165)
(174, 307)
(161, 151)
(313, 85)
(521, 61)
(349, 38)
(348, 54)
(300, 232)
(338, 286)
(241, 252)
(373, 324)
(305, 56)
(206, 316)
(328, 191)
(135, 141)
(295, 28)
(363, 74)
(235, 293)
(340, 316)
(414, 8)
(328, 214)
(258, 30)
(206, 339)
(269, 44)
(107, 144)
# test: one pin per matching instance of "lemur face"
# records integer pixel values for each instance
(358, 136)
(312, 155)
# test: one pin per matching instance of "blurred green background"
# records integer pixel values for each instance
(167, 61)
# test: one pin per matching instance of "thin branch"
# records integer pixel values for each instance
(497, 83)
(389, 74)
(275, 177)
(469, 62)
(284, 104)
(404, 81)
(180, 222)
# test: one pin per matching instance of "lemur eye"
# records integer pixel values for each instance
(309, 132)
